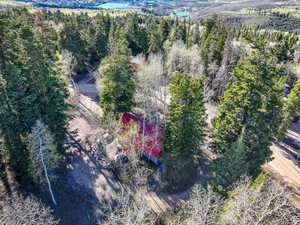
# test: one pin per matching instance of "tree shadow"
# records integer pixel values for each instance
(96, 166)
(84, 189)
(5, 186)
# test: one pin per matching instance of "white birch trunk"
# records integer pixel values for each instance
(46, 172)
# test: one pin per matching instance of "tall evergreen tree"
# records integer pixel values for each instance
(186, 124)
(156, 41)
(229, 167)
(164, 28)
(98, 46)
(179, 31)
(30, 87)
(135, 35)
(253, 102)
(71, 37)
(290, 109)
(118, 78)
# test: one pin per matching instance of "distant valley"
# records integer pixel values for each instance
(265, 14)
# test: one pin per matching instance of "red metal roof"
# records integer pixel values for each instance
(153, 144)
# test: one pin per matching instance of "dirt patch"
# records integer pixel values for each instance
(284, 166)
(85, 187)
(212, 112)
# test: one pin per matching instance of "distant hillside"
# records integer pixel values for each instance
(68, 3)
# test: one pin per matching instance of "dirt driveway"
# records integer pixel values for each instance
(285, 166)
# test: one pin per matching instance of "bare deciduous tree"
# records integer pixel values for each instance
(151, 94)
(151, 88)
(25, 211)
(184, 60)
(67, 64)
(260, 204)
(203, 206)
(130, 210)
(135, 170)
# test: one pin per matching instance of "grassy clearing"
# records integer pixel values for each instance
(13, 3)
(90, 12)
(94, 12)
(292, 11)
(76, 11)
(257, 20)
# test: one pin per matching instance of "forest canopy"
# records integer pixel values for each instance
(167, 72)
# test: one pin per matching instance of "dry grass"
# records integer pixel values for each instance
(13, 3)
(94, 12)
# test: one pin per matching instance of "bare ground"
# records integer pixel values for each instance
(86, 188)
(285, 166)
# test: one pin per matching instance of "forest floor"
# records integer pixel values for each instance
(89, 188)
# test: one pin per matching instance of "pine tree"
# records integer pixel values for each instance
(11, 120)
(229, 167)
(253, 102)
(179, 32)
(282, 51)
(72, 36)
(156, 41)
(135, 35)
(212, 45)
(164, 28)
(290, 108)
(30, 87)
(185, 129)
(98, 46)
(195, 37)
(118, 78)
(115, 34)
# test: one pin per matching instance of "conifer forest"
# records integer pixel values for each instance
(138, 116)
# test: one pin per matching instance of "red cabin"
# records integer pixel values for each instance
(153, 135)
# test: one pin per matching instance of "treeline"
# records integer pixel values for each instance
(281, 19)
(66, 3)
(97, 35)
